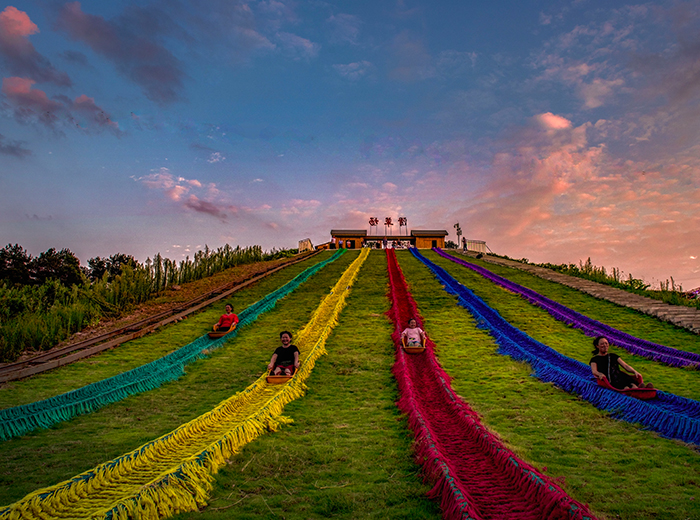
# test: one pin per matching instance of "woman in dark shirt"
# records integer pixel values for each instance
(285, 360)
(607, 365)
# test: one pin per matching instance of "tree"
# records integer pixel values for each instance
(15, 264)
(61, 265)
(117, 261)
(113, 265)
(98, 268)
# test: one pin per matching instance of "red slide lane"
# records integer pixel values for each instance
(476, 476)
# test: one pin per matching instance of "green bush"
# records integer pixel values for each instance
(37, 317)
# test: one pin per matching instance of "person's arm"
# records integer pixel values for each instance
(594, 369)
(234, 323)
(272, 362)
(627, 367)
(296, 359)
(422, 337)
(403, 338)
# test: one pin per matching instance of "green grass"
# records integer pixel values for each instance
(41, 458)
(620, 470)
(623, 318)
(349, 449)
(146, 349)
(347, 454)
(573, 343)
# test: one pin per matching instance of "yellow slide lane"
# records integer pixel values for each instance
(174, 473)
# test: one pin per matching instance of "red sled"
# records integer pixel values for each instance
(638, 393)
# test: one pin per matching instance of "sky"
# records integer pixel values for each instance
(553, 130)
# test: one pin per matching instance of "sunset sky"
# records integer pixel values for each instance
(553, 130)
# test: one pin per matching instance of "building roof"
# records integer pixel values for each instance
(348, 232)
(428, 233)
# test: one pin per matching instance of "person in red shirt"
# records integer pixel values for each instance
(227, 321)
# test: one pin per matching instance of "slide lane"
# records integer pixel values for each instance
(174, 473)
(476, 476)
(670, 415)
(19, 420)
(590, 327)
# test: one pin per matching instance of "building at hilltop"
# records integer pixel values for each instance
(358, 238)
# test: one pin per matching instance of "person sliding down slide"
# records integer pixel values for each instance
(228, 321)
(413, 335)
(607, 366)
(285, 360)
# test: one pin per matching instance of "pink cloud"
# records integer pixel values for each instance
(203, 206)
(29, 103)
(19, 55)
(16, 23)
(161, 180)
(175, 193)
(96, 115)
(552, 122)
(563, 199)
(179, 190)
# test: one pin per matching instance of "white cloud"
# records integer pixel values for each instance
(597, 91)
(297, 46)
(353, 71)
(345, 28)
(216, 157)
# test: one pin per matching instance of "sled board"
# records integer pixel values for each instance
(639, 393)
(278, 380)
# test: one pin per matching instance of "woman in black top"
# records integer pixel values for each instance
(285, 360)
(608, 365)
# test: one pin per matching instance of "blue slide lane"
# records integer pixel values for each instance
(670, 415)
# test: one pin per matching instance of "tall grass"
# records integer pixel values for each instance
(668, 292)
(39, 317)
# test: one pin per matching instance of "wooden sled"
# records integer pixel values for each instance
(638, 393)
(412, 349)
(216, 334)
(278, 380)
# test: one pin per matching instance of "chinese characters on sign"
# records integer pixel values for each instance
(388, 222)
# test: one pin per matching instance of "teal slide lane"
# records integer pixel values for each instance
(19, 420)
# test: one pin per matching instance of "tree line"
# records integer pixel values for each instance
(45, 299)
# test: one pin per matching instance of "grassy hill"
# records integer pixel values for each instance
(348, 453)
